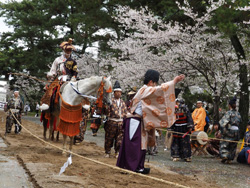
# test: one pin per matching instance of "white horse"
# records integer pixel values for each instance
(73, 96)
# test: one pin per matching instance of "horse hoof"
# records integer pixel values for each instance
(64, 153)
(70, 154)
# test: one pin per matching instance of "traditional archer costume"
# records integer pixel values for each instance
(181, 146)
(96, 121)
(15, 104)
(113, 127)
(152, 107)
(64, 68)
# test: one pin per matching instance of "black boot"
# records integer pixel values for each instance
(143, 171)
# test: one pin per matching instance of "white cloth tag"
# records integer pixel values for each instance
(68, 162)
(63, 77)
(134, 123)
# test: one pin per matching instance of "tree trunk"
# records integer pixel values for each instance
(244, 99)
(216, 116)
(85, 42)
(244, 93)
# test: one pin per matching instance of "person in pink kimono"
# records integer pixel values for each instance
(152, 107)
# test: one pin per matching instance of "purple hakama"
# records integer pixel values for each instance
(131, 156)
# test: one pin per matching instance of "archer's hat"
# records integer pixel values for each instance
(67, 45)
(117, 86)
(133, 91)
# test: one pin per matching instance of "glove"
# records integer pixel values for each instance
(73, 79)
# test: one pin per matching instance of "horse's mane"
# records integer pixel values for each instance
(96, 78)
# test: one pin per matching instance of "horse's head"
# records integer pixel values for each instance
(107, 94)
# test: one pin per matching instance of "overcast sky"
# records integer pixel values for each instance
(3, 26)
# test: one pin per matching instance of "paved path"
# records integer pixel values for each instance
(12, 175)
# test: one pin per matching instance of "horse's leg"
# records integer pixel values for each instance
(64, 143)
(57, 122)
(51, 128)
(57, 136)
(53, 135)
(45, 128)
(71, 143)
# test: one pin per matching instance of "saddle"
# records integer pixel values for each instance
(55, 95)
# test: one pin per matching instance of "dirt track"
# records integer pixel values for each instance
(43, 162)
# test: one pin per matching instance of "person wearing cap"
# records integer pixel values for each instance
(244, 156)
(15, 104)
(152, 107)
(199, 117)
(64, 68)
(131, 95)
(64, 64)
(113, 127)
(181, 146)
(230, 131)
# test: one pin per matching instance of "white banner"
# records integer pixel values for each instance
(68, 162)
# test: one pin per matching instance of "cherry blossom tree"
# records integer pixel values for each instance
(29, 87)
(206, 58)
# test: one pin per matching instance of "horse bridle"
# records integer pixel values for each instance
(103, 94)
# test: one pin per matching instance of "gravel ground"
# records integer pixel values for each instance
(206, 168)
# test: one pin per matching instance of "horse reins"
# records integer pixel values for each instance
(78, 92)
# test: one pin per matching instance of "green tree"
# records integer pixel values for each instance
(39, 26)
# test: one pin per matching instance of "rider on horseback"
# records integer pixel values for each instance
(63, 68)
